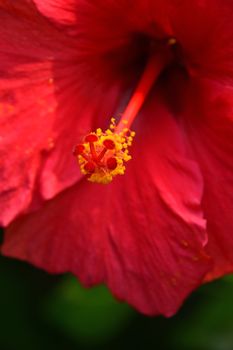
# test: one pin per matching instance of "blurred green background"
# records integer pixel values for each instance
(40, 311)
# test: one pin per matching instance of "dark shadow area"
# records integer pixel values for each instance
(39, 310)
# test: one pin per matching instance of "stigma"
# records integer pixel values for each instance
(103, 154)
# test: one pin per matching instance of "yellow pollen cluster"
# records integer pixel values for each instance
(103, 154)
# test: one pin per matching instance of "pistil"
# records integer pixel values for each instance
(103, 154)
(152, 70)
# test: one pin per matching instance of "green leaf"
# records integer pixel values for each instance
(88, 316)
(210, 325)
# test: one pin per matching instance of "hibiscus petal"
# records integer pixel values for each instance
(209, 123)
(26, 103)
(44, 108)
(100, 14)
(204, 31)
(60, 10)
(143, 235)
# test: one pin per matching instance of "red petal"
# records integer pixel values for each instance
(45, 110)
(143, 234)
(102, 13)
(210, 127)
(60, 10)
(26, 104)
(204, 31)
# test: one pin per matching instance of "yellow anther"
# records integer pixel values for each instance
(103, 153)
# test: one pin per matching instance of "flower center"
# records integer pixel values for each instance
(103, 154)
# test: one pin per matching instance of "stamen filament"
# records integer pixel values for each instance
(101, 155)
(85, 157)
(93, 151)
(153, 68)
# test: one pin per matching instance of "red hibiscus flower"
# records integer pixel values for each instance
(67, 66)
